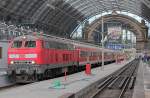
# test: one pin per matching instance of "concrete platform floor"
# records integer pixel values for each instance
(4, 79)
(142, 85)
(146, 80)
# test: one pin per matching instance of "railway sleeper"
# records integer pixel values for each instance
(103, 83)
(110, 85)
(131, 84)
(102, 86)
(122, 82)
(124, 87)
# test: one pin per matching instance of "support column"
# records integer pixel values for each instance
(140, 45)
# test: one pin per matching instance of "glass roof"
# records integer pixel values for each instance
(63, 16)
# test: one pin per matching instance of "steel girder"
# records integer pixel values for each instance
(134, 6)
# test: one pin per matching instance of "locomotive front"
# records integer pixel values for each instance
(23, 58)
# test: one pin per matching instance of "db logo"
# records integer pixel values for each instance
(21, 56)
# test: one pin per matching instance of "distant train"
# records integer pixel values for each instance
(35, 57)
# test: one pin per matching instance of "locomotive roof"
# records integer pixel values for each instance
(26, 37)
(59, 39)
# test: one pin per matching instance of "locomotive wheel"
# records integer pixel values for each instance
(35, 76)
(13, 76)
(45, 75)
(25, 77)
(40, 77)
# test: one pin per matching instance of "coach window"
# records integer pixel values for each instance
(30, 44)
(91, 54)
(94, 54)
(17, 44)
(83, 53)
(0, 52)
(64, 57)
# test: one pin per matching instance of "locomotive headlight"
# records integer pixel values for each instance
(11, 62)
(33, 62)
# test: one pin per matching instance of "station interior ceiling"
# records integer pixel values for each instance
(61, 17)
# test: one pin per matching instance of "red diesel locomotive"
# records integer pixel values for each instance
(32, 57)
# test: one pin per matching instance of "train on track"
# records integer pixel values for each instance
(37, 57)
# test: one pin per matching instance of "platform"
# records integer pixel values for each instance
(73, 84)
(142, 85)
(4, 79)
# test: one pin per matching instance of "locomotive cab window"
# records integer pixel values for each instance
(17, 44)
(30, 44)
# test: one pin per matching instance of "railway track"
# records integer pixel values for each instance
(120, 84)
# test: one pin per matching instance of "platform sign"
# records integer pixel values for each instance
(115, 46)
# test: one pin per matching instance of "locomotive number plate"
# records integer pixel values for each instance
(22, 56)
